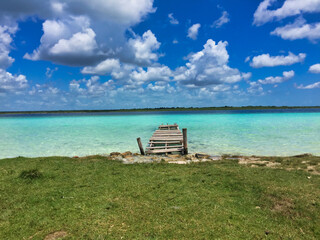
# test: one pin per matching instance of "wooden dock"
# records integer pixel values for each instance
(168, 139)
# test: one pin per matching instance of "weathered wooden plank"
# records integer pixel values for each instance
(163, 142)
(165, 150)
(167, 130)
(167, 135)
(170, 125)
(165, 147)
(166, 138)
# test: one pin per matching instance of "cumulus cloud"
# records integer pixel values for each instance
(222, 20)
(43, 90)
(159, 73)
(172, 19)
(97, 28)
(265, 60)
(193, 31)
(160, 87)
(299, 29)
(12, 83)
(9, 83)
(255, 88)
(69, 42)
(289, 8)
(103, 68)
(310, 86)
(144, 48)
(208, 67)
(91, 87)
(81, 42)
(279, 79)
(5, 41)
(117, 11)
(315, 68)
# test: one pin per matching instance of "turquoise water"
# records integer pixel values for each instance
(237, 133)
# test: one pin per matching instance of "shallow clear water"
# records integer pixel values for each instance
(224, 133)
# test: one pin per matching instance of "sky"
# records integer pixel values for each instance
(115, 54)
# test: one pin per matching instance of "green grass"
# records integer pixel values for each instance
(95, 198)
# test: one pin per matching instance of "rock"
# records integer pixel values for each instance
(125, 154)
(202, 155)
(188, 157)
(215, 158)
(205, 160)
(178, 162)
(113, 154)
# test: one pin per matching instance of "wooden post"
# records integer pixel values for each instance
(140, 146)
(185, 141)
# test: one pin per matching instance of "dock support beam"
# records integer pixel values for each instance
(140, 146)
(185, 141)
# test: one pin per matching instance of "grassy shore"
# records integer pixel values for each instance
(96, 198)
(226, 108)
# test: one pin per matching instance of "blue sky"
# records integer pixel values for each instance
(142, 53)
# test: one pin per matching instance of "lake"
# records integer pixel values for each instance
(245, 132)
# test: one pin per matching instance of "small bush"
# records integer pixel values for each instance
(31, 174)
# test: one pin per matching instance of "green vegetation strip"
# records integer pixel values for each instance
(165, 109)
(95, 198)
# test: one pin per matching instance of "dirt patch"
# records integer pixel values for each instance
(252, 161)
(56, 235)
(273, 164)
(284, 206)
(313, 170)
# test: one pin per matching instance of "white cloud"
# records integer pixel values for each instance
(311, 86)
(68, 42)
(44, 91)
(9, 83)
(298, 30)
(172, 19)
(81, 42)
(97, 27)
(91, 87)
(12, 83)
(162, 73)
(161, 87)
(289, 8)
(265, 60)
(103, 68)
(279, 79)
(315, 68)
(193, 31)
(222, 20)
(208, 67)
(255, 88)
(49, 71)
(5, 41)
(118, 11)
(144, 47)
